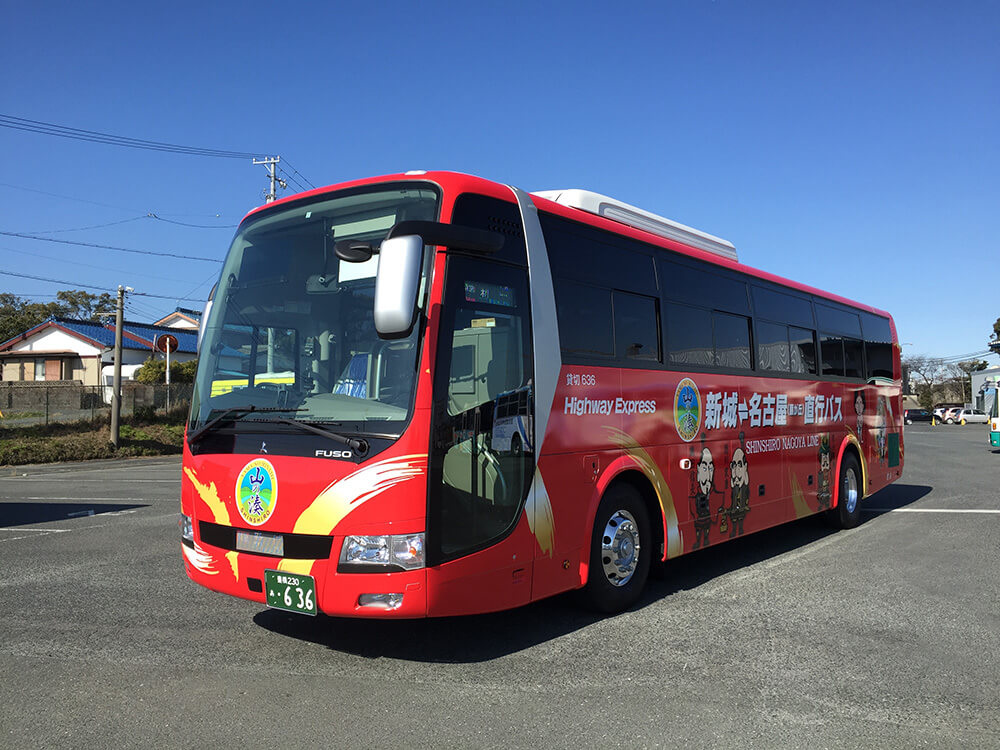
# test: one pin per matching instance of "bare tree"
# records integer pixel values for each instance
(927, 376)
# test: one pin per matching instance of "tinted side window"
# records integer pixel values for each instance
(878, 345)
(838, 320)
(689, 335)
(803, 350)
(832, 348)
(879, 358)
(589, 255)
(732, 340)
(636, 333)
(772, 347)
(585, 317)
(782, 307)
(483, 212)
(853, 358)
(703, 287)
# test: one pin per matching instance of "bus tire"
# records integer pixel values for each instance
(847, 514)
(620, 552)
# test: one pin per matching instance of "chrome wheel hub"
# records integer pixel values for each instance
(620, 548)
(850, 490)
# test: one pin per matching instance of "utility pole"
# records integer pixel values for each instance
(270, 163)
(116, 395)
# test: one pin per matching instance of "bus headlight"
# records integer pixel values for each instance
(187, 529)
(390, 551)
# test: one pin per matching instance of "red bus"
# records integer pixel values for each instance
(444, 396)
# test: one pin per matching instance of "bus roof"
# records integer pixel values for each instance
(625, 213)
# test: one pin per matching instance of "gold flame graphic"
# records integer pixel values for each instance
(344, 495)
(539, 512)
(674, 540)
(210, 495)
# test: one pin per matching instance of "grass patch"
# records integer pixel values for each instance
(143, 435)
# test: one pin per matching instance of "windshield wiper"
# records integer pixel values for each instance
(230, 414)
(358, 444)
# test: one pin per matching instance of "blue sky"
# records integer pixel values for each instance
(852, 146)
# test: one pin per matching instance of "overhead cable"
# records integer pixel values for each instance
(286, 163)
(93, 136)
(77, 285)
(108, 247)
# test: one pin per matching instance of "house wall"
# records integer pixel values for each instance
(54, 340)
(84, 369)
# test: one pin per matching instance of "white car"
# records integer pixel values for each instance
(966, 416)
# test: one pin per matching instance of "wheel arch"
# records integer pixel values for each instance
(850, 446)
(625, 470)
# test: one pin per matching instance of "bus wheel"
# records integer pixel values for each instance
(620, 551)
(515, 445)
(848, 511)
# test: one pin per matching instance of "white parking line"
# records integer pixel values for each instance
(930, 510)
(43, 532)
(76, 479)
(78, 499)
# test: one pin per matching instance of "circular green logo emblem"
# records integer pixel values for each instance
(257, 491)
(687, 410)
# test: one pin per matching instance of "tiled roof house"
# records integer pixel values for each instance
(66, 349)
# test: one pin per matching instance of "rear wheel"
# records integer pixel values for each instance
(620, 551)
(848, 511)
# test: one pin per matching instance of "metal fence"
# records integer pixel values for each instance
(50, 403)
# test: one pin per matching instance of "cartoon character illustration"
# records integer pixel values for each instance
(739, 483)
(859, 408)
(880, 440)
(823, 495)
(703, 486)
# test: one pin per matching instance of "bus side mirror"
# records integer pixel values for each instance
(396, 285)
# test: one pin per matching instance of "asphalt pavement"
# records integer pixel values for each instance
(887, 635)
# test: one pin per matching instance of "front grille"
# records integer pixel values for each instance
(297, 546)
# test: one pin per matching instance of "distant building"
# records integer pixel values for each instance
(78, 350)
(180, 318)
(981, 380)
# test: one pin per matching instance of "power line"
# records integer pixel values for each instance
(96, 203)
(298, 184)
(95, 226)
(93, 136)
(108, 247)
(299, 174)
(185, 224)
(69, 284)
(87, 265)
(77, 285)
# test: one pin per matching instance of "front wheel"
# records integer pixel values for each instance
(848, 511)
(620, 550)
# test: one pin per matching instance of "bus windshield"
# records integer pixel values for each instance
(291, 324)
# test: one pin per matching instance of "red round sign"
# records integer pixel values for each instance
(166, 342)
